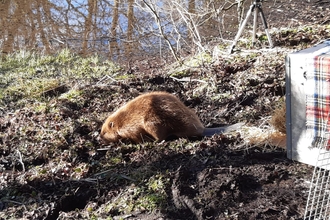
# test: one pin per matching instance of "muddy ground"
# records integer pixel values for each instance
(53, 166)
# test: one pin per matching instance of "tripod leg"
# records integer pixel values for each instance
(266, 27)
(248, 14)
(255, 24)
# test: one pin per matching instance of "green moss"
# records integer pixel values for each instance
(115, 160)
(149, 202)
(147, 194)
(157, 183)
(71, 95)
(263, 38)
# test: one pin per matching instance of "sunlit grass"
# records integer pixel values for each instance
(27, 74)
(184, 69)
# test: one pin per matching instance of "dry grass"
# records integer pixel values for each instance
(278, 118)
(272, 131)
(265, 135)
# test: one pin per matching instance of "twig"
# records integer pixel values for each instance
(12, 201)
(230, 6)
(186, 79)
(109, 173)
(191, 24)
(157, 19)
(104, 149)
(21, 160)
(58, 40)
(105, 78)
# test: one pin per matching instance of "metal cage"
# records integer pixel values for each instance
(318, 201)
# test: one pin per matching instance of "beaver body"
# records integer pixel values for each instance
(155, 116)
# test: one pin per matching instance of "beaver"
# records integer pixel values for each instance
(155, 116)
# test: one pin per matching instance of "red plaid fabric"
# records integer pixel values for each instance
(318, 100)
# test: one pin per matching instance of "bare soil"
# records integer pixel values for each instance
(69, 174)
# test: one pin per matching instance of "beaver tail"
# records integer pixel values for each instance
(219, 130)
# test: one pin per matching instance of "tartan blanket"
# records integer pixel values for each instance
(318, 100)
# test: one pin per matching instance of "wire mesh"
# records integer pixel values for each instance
(318, 202)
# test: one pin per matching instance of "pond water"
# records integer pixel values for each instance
(116, 28)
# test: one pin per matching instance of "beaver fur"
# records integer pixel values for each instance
(155, 116)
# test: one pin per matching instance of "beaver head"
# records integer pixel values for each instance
(109, 131)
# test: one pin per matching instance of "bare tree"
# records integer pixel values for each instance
(151, 5)
(184, 24)
(113, 46)
(114, 26)
(41, 4)
(88, 24)
(130, 27)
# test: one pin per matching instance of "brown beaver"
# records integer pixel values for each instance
(155, 116)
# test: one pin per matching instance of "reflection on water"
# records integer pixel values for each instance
(115, 28)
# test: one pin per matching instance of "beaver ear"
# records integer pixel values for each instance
(111, 124)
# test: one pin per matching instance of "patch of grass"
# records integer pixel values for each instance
(157, 183)
(147, 194)
(40, 107)
(149, 202)
(115, 160)
(184, 70)
(124, 77)
(263, 38)
(30, 75)
(29, 88)
(73, 96)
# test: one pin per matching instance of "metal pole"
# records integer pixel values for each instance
(241, 28)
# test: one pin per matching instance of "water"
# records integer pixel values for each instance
(116, 29)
